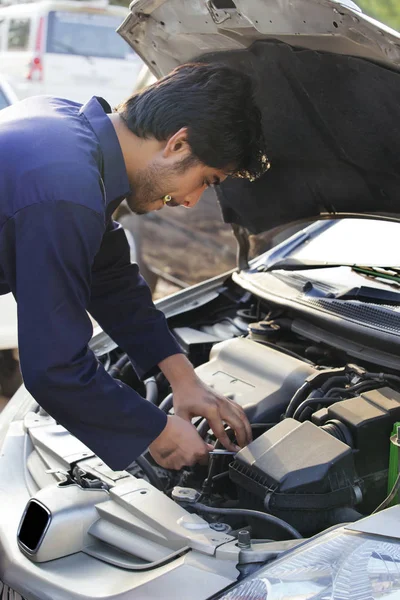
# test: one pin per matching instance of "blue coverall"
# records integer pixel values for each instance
(62, 174)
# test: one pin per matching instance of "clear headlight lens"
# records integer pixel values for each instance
(337, 566)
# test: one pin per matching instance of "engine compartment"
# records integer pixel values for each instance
(323, 452)
(321, 423)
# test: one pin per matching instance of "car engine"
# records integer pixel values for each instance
(322, 424)
(324, 454)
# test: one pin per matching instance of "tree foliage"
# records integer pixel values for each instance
(121, 2)
(386, 11)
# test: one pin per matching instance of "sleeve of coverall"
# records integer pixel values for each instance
(121, 303)
(47, 252)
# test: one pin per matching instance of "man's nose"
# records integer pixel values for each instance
(192, 199)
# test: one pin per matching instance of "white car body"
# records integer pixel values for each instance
(271, 340)
(67, 49)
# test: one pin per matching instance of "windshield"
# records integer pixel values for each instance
(355, 241)
(86, 34)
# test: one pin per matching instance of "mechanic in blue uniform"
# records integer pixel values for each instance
(64, 170)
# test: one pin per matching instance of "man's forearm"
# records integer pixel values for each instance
(177, 369)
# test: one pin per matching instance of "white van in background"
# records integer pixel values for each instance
(67, 48)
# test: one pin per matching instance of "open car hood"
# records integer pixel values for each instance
(328, 85)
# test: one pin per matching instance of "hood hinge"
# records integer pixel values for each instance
(242, 237)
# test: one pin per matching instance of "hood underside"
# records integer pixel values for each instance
(328, 86)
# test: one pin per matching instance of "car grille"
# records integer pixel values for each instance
(7, 593)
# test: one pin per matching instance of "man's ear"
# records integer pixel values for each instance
(177, 144)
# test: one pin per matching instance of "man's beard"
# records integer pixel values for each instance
(146, 190)
(153, 183)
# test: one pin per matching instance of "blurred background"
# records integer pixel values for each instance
(69, 48)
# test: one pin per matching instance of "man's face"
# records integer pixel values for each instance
(184, 186)
(174, 172)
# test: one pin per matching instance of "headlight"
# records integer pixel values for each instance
(336, 566)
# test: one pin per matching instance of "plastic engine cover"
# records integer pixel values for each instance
(261, 379)
(296, 457)
(298, 472)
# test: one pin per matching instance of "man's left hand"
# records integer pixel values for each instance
(194, 398)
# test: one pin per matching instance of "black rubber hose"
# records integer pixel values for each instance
(244, 512)
(298, 398)
(329, 399)
(150, 473)
(318, 393)
(310, 402)
(151, 390)
(391, 377)
(118, 366)
(362, 386)
(203, 428)
(125, 370)
(220, 476)
(338, 381)
(381, 377)
(166, 404)
(312, 384)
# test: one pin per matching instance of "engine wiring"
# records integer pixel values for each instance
(300, 413)
(216, 487)
(310, 395)
(151, 390)
(166, 404)
(150, 472)
(248, 514)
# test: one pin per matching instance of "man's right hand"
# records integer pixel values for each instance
(179, 445)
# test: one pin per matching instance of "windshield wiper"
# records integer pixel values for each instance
(362, 293)
(370, 294)
(294, 264)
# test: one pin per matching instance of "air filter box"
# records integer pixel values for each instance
(296, 471)
(370, 419)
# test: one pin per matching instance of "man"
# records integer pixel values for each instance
(64, 170)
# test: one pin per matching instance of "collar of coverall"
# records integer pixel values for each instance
(113, 169)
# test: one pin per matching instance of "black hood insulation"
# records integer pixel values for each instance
(332, 128)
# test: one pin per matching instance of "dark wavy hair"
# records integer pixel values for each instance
(216, 103)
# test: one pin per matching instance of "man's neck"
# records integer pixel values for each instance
(137, 152)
